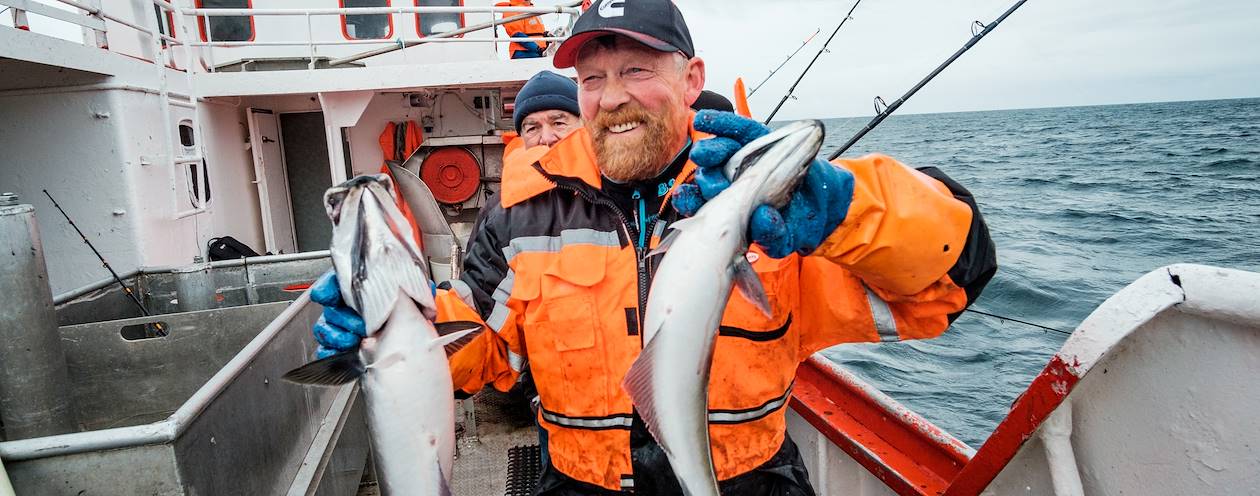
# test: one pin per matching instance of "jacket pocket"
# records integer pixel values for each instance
(778, 279)
(566, 338)
(571, 327)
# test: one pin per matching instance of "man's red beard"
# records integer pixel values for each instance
(625, 160)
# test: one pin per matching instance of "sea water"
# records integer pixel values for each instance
(1081, 201)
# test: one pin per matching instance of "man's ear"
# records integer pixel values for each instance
(694, 79)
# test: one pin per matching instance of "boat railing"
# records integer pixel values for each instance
(165, 34)
(395, 43)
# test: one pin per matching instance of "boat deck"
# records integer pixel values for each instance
(482, 468)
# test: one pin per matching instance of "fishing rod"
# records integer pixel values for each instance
(889, 109)
(157, 325)
(785, 61)
(811, 62)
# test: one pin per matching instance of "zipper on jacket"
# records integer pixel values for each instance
(632, 232)
(640, 218)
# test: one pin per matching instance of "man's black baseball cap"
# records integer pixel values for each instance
(655, 23)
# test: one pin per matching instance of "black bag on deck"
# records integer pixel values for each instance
(228, 248)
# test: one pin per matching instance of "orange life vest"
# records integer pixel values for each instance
(398, 142)
(556, 279)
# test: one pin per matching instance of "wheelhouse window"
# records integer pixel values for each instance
(429, 24)
(226, 28)
(369, 26)
(186, 134)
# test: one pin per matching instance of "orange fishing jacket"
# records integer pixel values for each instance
(554, 272)
(532, 27)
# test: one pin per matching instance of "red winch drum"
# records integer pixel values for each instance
(452, 173)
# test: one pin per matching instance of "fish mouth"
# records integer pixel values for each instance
(373, 249)
(336, 196)
(801, 139)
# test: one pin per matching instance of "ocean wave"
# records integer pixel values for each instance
(1081, 202)
(1230, 163)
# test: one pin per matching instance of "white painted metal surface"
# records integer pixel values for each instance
(273, 185)
(94, 124)
(831, 470)
(1167, 397)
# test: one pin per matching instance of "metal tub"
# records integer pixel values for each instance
(164, 290)
(201, 411)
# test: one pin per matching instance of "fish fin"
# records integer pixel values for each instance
(682, 224)
(750, 285)
(444, 328)
(330, 371)
(455, 341)
(638, 384)
(665, 244)
(387, 361)
(675, 228)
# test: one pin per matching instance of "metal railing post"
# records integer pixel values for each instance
(19, 19)
(494, 34)
(310, 39)
(98, 36)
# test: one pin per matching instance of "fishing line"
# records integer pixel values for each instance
(789, 59)
(975, 37)
(1039, 326)
(811, 62)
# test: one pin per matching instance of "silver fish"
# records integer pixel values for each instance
(401, 363)
(669, 381)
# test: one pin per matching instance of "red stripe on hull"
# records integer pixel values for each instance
(1044, 395)
(906, 452)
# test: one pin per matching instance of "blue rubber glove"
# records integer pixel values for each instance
(339, 328)
(815, 210)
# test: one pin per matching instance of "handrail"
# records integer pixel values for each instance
(570, 8)
(559, 9)
(382, 41)
(45, 10)
(99, 12)
(451, 34)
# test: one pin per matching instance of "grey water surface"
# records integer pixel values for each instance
(1080, 201)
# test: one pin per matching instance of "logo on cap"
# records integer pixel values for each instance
(612, 8)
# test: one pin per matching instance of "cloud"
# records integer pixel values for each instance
(1049, 53)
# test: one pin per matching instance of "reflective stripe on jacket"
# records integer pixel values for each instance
(554, 272)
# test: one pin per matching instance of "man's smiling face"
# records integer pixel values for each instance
(634, 102)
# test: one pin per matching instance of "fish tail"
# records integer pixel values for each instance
(639, 385)
(335, 370)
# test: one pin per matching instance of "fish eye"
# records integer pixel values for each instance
(334, 200)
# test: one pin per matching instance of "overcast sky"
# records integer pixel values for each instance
(1048, 53)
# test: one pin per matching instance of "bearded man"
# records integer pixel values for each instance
(867, 250)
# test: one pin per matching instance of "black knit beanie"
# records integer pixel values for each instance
(545, 91)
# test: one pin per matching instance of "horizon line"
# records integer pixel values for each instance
(1029, 108)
